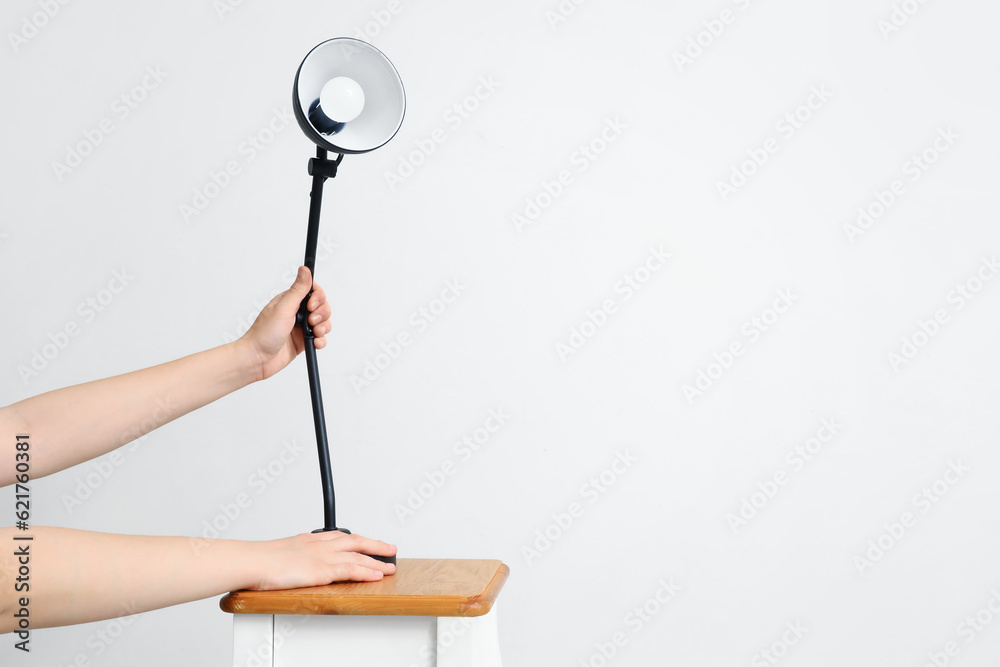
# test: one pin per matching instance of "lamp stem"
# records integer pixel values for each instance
(321, 169)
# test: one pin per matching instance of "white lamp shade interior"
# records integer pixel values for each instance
(384, 99)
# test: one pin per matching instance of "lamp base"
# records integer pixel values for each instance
(384, 559)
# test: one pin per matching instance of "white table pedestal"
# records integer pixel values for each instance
(431, 613)
(332, 641)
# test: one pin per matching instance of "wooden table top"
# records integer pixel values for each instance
(420, 587)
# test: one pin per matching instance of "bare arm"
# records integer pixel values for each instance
(79, 576)
(76, 576)
(72, 425)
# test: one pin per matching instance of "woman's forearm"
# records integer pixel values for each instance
(78, 576)
(72, 425)
(69, 426)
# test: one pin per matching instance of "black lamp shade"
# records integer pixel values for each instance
(384, 99)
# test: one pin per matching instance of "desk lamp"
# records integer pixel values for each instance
(347, 98)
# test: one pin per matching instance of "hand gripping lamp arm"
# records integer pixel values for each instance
(347, 98)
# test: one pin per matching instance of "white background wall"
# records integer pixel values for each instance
(881, 97)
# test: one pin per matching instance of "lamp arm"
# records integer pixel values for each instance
(320, 168)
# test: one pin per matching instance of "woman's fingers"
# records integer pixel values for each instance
(317, 299)
(319, 315)
(358, 544)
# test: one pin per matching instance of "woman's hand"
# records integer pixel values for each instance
(317, 559)
(274, 339)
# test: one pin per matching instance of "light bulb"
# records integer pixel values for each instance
(342, 99)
